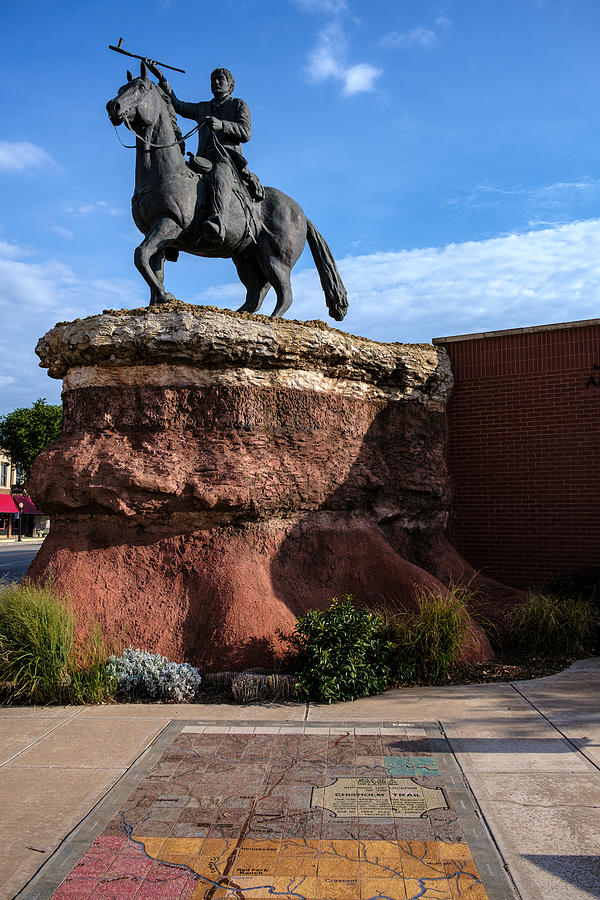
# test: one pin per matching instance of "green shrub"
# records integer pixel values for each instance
(428, 640)
(342, 651)
(38, 659)
(546, 625)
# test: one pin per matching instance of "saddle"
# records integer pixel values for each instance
(203, 166)
(198, 164)
(246, 186)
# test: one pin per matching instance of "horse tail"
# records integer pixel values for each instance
(331, 282)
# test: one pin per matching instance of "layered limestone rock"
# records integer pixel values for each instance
(221, 473)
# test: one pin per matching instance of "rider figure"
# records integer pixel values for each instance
(224, 125)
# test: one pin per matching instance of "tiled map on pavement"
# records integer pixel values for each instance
(310, 813)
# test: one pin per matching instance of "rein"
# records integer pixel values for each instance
(181, 140)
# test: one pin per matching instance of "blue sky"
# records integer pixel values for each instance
(448, 150)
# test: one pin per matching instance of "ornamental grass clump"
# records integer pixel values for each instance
(39, 660)
(140, 675)
(545, 625)
(427, 641)
(342, 653)
(91, 682)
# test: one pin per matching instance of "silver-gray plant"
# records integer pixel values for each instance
(143, 675)
(179, 682)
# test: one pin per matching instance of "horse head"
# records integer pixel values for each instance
(135, 100)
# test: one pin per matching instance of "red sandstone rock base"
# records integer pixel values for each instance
(228, 597)
(219, 475)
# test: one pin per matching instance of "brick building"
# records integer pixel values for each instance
(524, 450)
(9, 476)
(12, 502)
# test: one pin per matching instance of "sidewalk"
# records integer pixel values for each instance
(529, 751)
(14, 539)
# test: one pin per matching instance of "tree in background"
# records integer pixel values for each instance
(25, 432)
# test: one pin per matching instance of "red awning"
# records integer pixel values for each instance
(28, 507)
(7, 504)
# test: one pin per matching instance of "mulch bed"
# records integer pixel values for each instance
(505, 668)
(508, 669)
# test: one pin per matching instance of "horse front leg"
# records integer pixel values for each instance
(149, 257)
(157, 264)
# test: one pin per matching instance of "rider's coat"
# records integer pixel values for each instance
(233, 112)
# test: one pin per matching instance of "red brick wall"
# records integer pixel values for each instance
(524, 452)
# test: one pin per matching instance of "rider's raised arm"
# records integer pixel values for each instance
(187, 110)
(182, 107)
(241, 127)
(152, 67)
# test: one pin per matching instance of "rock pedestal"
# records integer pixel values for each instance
(221, 473)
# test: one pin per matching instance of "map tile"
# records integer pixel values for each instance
(284, 812)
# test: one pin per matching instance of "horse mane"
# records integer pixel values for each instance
(172, 116)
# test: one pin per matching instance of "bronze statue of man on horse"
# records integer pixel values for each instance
(212, 205)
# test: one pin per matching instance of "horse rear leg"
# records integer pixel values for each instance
(149, 257)
(254, 281)
(278, 274)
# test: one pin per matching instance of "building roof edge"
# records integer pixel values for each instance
(506, 332)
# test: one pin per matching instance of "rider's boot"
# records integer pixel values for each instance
(220, 193)
(214, 230)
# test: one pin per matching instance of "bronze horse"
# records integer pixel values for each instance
(168, 208)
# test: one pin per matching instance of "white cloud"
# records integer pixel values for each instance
(558, 191)
(328, 60)
(330, 7)
(422, 37)
(21, 156)
(92, 206)
(548, 204)
(5, 380)
(360, 78)
(12, 251)
(34, 295)
(62, 232)
(416, 37)
(551, 275)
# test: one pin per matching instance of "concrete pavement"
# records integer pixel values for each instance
(529, 752)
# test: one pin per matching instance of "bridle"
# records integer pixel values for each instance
(180, 140)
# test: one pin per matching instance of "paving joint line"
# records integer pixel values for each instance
(556, 728)
(481, 813)
(41, 738)
(69, 846)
